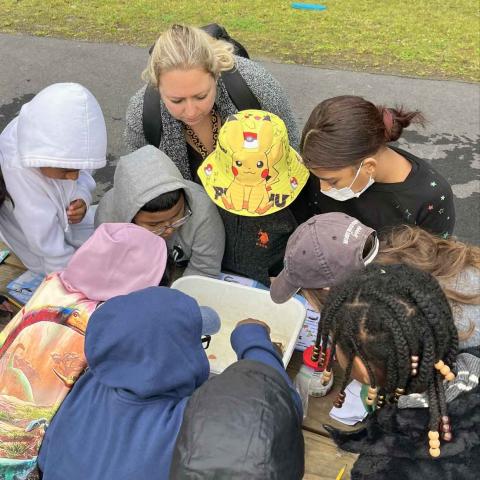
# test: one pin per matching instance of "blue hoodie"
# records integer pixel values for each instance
(121, 419)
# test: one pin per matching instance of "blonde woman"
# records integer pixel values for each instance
(185, 66)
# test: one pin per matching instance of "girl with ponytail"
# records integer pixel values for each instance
(345, 144)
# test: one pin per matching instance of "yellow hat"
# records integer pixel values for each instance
(253, 170)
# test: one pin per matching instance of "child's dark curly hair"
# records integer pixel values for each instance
(395, 319)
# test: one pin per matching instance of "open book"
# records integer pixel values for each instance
(22, 288)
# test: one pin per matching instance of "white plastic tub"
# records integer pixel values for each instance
(234, 302)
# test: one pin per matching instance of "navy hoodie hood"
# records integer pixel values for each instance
(148, 344)
(145, 359)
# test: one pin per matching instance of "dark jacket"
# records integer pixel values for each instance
(242, 424)
(394, 443)
(424, 199)
(121, 418)
(255, 246)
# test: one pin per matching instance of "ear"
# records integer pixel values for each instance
(359, 371)
(234, 137)
(370, 166)
(275, 154)
(265, 135)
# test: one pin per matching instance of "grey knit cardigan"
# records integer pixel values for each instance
(266, 89)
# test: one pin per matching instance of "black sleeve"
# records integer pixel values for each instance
(302, 206)
(438, 217)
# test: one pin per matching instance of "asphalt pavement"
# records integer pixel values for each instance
(112, 72)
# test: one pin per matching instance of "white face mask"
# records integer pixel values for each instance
(346, 193)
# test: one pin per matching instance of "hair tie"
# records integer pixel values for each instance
(388, 122)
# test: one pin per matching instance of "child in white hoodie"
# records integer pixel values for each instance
(46, 154)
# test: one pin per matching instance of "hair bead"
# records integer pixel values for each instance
(445, 371)
(327, 375)
(439, 365)
(414, 365)
(434, 443)
(372, 395)
(447, 436)
(434, 452)
(398, 393)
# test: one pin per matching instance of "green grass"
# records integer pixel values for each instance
(6, 416)
(435, 38)
(32, 411)
(14, 450)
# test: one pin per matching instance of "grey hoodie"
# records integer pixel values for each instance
(144, 175)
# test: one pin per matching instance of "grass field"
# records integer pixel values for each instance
(435, 38)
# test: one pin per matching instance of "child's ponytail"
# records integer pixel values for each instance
(396, 119)
(342, 131)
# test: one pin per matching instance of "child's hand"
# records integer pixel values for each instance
(76, 211)
(254, 321)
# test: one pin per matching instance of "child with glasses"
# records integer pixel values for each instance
(150, 191)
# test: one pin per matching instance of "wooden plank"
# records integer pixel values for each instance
(323, 459)
(12, 259)
(7, 274)
(319, 407)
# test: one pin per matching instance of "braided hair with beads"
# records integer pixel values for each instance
(397, 320)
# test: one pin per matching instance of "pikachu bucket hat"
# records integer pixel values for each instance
(253, 171)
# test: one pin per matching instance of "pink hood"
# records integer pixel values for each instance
(117, 259)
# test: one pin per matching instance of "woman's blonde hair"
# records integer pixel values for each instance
(442, 258)
(182, 47)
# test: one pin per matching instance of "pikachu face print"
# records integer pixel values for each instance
(253, 170)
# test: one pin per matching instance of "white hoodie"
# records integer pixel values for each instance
(63, 126)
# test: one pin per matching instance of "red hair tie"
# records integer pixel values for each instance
(388, 122)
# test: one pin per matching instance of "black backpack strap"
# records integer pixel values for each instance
(239, 92)
(152, 119)
(217, 31)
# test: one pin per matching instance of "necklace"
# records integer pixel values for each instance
(197, 143)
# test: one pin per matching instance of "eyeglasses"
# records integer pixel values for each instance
(176, 224)
(206, 341)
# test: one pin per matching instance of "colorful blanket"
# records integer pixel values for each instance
(41, 357)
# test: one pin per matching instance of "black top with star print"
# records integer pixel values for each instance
(424, 199)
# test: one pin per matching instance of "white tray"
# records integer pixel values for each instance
(234, 302)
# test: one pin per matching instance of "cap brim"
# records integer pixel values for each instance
(210, 321)
(281, 289)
